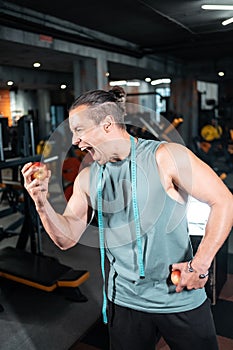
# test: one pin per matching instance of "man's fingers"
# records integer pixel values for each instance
(26, 167)
(179, 289)
(175, 267)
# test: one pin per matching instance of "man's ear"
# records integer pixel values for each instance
(108, 123)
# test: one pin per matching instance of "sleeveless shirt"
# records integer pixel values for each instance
(164, 235)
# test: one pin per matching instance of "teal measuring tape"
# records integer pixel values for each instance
(101, 239)
(135, 207)
(136, 219)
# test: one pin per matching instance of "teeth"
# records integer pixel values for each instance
(83, 148)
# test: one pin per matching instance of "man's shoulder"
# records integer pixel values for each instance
(174, 154)
(148, 144)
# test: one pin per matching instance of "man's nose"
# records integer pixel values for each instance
(76, 140)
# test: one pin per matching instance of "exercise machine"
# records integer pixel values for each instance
(33, 268)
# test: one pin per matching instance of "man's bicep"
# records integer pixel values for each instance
(191, 174)
(78, 206)
(197, 178)
(206, 184)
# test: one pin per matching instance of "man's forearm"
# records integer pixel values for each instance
(59, 227)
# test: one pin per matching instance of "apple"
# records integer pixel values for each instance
(41, 171)
(175, 277)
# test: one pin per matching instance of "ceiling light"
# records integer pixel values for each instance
(161, 81)
(63, 86)
(217, 7)
(107, 74)
(119, 82)
(227, 21)
(36, 64)
(148, 80)
(10, 83)
(221, 74)
(133, 83)
(220, 7)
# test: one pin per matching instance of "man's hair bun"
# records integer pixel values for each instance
(119, 93)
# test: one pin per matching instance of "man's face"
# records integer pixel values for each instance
(87, 135)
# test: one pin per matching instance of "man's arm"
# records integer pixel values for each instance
(184, 170)
(66, 229)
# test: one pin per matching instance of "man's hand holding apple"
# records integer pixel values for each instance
(184, 276)
(36, 179)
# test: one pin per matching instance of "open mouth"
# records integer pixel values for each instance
(90, 150)
(86, 149)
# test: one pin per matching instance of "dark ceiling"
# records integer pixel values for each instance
(177, 29)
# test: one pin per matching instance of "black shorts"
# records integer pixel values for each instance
(189, 330)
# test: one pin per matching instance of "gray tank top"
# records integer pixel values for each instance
(164, 235)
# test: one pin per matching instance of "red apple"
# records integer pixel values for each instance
(41, 171)
(175, 277)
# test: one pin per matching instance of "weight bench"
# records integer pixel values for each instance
(41, 272)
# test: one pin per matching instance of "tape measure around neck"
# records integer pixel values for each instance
(133, 167)
(101, 239)
(135, 207)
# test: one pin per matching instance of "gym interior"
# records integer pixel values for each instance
(174, 61)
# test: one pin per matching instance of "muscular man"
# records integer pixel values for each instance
(140, 189)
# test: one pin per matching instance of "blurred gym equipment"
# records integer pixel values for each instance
(30, 268)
